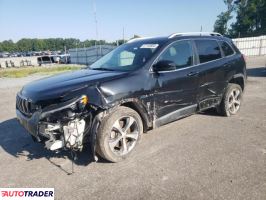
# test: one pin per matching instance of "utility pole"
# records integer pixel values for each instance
(95, 20)
(96, 27)
(123, 34)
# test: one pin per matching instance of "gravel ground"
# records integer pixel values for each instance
(204, 156)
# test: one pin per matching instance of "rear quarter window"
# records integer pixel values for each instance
(208, 50)
(227, 49)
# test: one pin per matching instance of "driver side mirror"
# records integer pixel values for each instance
(164, 65)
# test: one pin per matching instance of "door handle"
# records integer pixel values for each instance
(192, 73)
(227, 65)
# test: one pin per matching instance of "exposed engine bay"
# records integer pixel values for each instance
(68, 135)
(67, 126)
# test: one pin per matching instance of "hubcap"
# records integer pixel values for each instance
(124, 135)
(234, 101)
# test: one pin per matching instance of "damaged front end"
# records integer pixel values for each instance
(64, 125)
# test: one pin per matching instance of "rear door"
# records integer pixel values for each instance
(212, 74)
(231, 62)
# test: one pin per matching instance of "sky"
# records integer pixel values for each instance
(75, 18)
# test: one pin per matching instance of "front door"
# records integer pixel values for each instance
(176, 90)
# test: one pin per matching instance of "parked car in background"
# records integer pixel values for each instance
(140, 85)
(4, 55)
(42, 60)
(64, 58)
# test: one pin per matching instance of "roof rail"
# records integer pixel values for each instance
(195, 33)
(137, 39)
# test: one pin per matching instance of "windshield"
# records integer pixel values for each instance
(127, 57)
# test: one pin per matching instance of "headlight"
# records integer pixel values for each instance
(83, 101)
(76, 105)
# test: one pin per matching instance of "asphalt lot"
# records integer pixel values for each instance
(204, 156)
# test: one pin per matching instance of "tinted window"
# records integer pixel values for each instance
(180, 53)
(128, 57)
(226, 49)
(208, 50)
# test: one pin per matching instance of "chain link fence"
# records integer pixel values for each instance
(251, 46)
(87, 56)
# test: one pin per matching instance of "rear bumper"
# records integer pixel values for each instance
(29, 123)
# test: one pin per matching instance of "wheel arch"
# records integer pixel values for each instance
(141, 110)
(239, 80)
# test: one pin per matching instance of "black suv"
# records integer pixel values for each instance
(140, 85)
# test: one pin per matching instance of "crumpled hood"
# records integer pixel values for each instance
(57, 86)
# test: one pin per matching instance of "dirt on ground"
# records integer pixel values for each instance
(204, 156)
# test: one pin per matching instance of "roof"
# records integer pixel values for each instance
(176, 35)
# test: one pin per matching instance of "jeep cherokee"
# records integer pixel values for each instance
(140, 85)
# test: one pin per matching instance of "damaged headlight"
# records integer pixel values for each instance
(83, 101)
(65, 124)
(80, 103)
(77, 104)
(77, 107)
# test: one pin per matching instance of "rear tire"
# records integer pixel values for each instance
(118, 134)
(231, 101)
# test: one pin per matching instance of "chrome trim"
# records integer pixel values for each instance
(151, 71)
(194, 34)
(156, 60)
(24, 105)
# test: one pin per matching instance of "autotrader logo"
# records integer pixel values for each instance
(27, 193)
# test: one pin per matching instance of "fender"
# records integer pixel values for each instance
(239, 79)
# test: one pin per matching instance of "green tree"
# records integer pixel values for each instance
(8, 46)
(24, 45)
(250, 18)
(52, 44)
(220, 25)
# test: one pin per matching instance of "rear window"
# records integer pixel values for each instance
(227, 49)
(208, 50)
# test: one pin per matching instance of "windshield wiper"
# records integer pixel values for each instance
(103, 69)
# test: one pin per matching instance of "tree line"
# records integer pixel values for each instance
(51, 44)
(247, 17)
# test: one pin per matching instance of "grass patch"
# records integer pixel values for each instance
(49, 70)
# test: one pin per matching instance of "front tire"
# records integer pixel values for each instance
(231, 101)
(119, 134)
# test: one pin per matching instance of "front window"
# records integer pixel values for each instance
(180, 53)
(127, 57)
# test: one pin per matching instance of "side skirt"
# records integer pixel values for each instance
(209, 103)
(175, 115)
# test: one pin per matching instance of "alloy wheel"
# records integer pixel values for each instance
(234, 101)
(124, 135)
